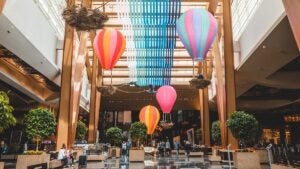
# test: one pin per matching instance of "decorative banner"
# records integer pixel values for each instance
(153, 33)
(149, 115)
(166, 97)
(109, 44)
(197, 29)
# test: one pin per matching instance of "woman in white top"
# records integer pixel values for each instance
(62, 155)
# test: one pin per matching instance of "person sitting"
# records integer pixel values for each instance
(62, 155)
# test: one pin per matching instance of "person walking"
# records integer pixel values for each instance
(168, 148)
(188, 148)
(124, 151)
(176, 147)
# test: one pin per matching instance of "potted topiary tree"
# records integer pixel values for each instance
(6, 117)
(39, 123)
(216, 133)
(215, 136)
(81, 131)
(198, 135)
(138, 133)
(244, 128)
(115, 137)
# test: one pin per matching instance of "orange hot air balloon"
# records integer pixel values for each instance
(149, 115)
(109, 44)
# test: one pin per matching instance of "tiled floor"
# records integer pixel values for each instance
(159, 163)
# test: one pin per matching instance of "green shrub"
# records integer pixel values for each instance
(198, 135)
(244, 127)
(114, 136)
(216, 133)
(138, 132)
(39, 123)
(6, 117)
(81, 130)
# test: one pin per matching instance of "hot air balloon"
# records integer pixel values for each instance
(197, 29)
(166, 97)
(109, 44)
(150, 116)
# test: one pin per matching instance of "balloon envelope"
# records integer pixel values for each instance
(109, 44)
(166, 97)
(197, 29)
(149, 115)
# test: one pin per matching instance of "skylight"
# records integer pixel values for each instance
(53, 9)
(242, 12)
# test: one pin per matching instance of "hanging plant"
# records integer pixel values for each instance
(39, 123)
(107, 90)
(84, 19)
(6, 117)
(199, 82)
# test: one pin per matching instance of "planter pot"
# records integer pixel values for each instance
(114, 152)
(1, 165)
(77, 153)
(246, 160)
(263, 156)
(136, 155)
(23, 161)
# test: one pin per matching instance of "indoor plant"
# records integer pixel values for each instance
(81, 130)
(39, 123)
(138, 133)
(6, 117)
(198, 135)
(215, 136)
(216, 133)
(244, 128)
(115, 137)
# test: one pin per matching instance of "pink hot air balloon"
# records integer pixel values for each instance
(166, 97)
(109, 44)
(197, 29)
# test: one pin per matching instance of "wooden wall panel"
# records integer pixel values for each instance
(292, 9)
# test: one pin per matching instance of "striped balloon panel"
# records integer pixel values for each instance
(154, 24)
(149, 115)
(109, 45)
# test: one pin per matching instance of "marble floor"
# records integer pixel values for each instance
(165, 163)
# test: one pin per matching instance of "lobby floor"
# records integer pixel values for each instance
(162, 163)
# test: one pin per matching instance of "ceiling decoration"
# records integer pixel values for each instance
(84, 19)
(149, 27)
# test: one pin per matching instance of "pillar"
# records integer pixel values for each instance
(229, 68)
(204, 109)
(92, 120)
(2, 3)
(65, 90)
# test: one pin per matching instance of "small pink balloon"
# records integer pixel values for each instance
(166, 97)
